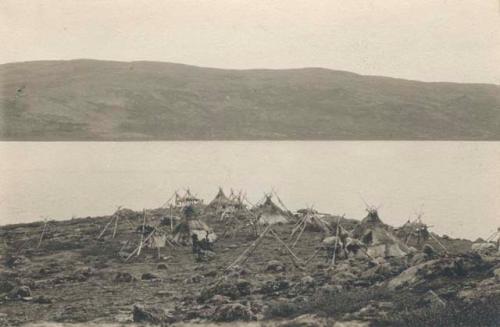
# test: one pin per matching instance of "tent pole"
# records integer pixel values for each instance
(300, 234)
(142, 232)
(106, 227)
(43, 233)
(336, 242)
(250, 248)
(297, 260)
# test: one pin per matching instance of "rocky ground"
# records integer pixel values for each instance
(73, 277)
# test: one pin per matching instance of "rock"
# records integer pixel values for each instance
(429, 251)
(352, 323)
(124, 277)
(43, 299)
(244, 287)
(82, 274)
(484, 248)
(211, 273)
(15, 261)
(236, 271)
(6, 286)
(275, 266)
(20, 292)
(149, 276)
(161, 266)
(225, 288)
(496, 274)
(328, 290)
(343, 278)
(307, 320)
(373, 311)
(219, 300)
(457, 266)
(151, 314)
(417, 259)
(487, 288)
(234, 312)
(275, 286)
(306, 284)
(409, 276)
(194, 279)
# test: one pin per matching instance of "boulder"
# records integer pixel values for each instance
(485, 248)
(194, 279)
(151, 314)
(275, 266)
(487, 288)
(20, 292)
(496, 274)
(161, 266)
(230, 288)
(43, 299)
(124, 277)
(429, 251)
(306, 284)
(149, 276)
(275, 286)
(234, 312)
(15, 261)
(219, 300)
(352, 323)
(244, 287)
(307, 320)
(82, 274)
(6, 286)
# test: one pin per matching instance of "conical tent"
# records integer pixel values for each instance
(311, 220)
(413, 232)
(220, 202)
(269, 213)
(378, 238)
(492, 243)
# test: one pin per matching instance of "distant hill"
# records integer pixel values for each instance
(101, 100)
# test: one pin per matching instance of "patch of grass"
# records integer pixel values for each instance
(484, 313)
(286, 310)
(337, 304)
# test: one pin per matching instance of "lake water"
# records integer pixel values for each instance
(455, 184)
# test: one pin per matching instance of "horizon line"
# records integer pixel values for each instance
(250, 69)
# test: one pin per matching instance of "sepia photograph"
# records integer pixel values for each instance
(206, 163)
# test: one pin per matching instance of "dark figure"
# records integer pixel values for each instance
(195, 243)
(205, 244)
(197, 247)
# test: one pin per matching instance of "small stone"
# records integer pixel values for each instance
(275, 266)
(149, 276)
(124, 277)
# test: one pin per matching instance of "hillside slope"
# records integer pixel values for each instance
(100, 100)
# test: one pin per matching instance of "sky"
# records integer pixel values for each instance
(429, 40)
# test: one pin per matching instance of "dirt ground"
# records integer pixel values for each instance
(73, 277)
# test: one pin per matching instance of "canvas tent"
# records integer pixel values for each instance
(268, 213)
(413, 232)
(187, 199)
(311, 220)
(190, 226)
(378, 237)
(221, 202)
(490, 245)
